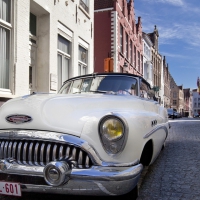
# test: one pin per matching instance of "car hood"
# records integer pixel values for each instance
(64, 113)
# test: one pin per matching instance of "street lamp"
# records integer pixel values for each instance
(125, 64)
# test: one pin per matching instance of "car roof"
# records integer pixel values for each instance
(110, 74)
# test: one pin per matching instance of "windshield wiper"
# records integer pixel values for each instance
(98, 91)
(77, 92)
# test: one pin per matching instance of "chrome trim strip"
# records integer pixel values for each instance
(53, 137)
(30, 153)
(10, 149)
(48, 153)
(80, 158)
(93, 173)
(5, 149)
(24, 153)
(156, 129)
(87, 161)
(54, 152)
(36, 153)
(42, 154)
(14, 150)
(61, 152)
(19, 152)
(1, 151)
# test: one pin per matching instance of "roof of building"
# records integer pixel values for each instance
(186, 92)
(102, 4)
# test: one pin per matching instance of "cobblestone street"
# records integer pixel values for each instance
(176, 173)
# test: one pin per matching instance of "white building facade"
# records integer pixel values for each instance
(195, 102)
(147, 60)
(43, 43)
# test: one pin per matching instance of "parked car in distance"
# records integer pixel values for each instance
(91, 138)
(177, 114)
(171, 113)
(196, 115)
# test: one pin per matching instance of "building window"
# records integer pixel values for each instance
(32, 51)
(135, 55)
(33, 24)
(141, 64)
(5, 33)
(174, 102)
(83, 60)
(126, 45)
(64, 55)
(138, 61)
(121, 39)
(131, 51)
(85, 5)
(174, 94)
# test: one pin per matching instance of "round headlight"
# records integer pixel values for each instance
(112, 129)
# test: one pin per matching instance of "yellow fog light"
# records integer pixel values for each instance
(112, 129)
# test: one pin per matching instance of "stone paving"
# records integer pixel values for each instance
(175, 175)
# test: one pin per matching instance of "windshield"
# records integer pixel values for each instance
(102, 84)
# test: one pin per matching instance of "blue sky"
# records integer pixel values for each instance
(178, 24)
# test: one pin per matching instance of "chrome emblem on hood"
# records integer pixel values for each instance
(18, 119)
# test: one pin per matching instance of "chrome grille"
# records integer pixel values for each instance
(40, 153)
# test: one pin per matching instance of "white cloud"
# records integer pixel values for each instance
(166, 54)
(188, 33)
(173, 2)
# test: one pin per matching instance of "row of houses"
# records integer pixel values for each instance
(43, 43)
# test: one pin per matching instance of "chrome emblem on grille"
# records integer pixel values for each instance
(18, 119)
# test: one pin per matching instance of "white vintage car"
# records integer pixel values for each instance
(92, 138)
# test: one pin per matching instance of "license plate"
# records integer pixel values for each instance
(9, 188)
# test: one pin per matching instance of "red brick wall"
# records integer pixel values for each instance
(102, 39)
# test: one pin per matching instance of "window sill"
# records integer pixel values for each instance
(83, 10)
(6, 93)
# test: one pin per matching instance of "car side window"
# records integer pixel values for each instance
(76, 86)
(144, 90)
(65, 89)
(85, 87)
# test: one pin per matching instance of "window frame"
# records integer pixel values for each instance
(33, 40)
(60, 76)
(82, 66)
(121, 39)
(7, 26)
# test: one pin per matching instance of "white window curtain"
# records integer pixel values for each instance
(63, 44)
(5, 10)
(63, 69)
(82, 69)
(83, 60)
(4, 44)
(63, 59)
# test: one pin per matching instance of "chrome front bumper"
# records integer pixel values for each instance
(98, 180)
(103, 178)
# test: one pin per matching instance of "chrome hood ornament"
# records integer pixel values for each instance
(18, 119)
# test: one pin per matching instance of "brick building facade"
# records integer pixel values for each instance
(118, 36)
